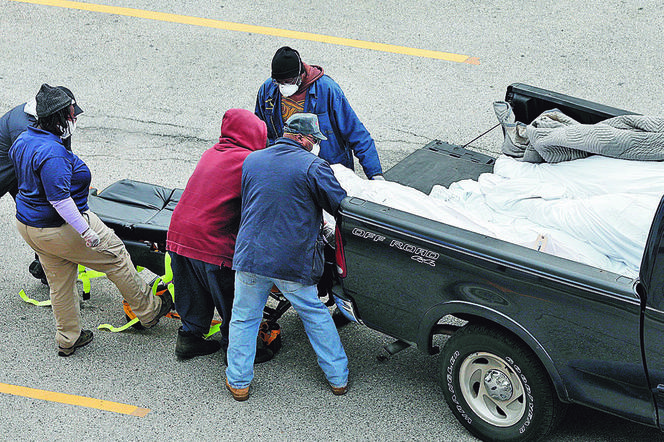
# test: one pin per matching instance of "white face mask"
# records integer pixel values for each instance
(315, 149)
(288, 89)
(69, 130)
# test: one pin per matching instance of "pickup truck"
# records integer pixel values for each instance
(528, 332)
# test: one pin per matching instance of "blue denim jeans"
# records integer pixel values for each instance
(251, 293)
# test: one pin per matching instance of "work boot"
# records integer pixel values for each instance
(189, 345)
(239, 394)
(84, 339)
(37, 271)
(339, 391)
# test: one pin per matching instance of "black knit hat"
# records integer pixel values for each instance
(50, 100)
(286, 63)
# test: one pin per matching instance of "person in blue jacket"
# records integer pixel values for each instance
(298, 87)
(285, 188)
(12, 124)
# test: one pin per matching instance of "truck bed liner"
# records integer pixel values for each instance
(458, 164)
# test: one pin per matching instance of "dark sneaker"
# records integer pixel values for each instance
(166, 307)
(83, 340)
(189, 345)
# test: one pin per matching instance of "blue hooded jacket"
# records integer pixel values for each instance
(346, 135)
(284, 189)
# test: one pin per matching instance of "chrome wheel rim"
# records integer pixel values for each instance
(492, 389)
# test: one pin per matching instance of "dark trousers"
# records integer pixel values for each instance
(199, 288)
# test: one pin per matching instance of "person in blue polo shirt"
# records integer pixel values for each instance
(12, 124)
(285, 188)
(53, 217)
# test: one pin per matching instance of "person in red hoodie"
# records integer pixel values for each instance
(202, 232)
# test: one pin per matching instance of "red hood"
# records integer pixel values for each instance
(313, 73)
(242, 128)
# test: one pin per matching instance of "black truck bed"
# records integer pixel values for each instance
(457, 164)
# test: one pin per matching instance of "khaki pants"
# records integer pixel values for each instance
(61, 249)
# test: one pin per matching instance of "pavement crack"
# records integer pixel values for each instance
(388, 140)
(411, 133)
(179, 137)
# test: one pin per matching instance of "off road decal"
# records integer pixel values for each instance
(418, 254)
(423, 256)
(368, 235)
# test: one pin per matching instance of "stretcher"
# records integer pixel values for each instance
(140, 214)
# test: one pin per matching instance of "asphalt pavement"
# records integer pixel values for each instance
(154, 82)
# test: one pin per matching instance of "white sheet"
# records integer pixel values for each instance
(596, 210)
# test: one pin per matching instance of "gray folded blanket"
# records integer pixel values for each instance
(554, 137)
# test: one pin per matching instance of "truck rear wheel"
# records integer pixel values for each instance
(496, 387)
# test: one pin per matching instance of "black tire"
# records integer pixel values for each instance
(496, 387)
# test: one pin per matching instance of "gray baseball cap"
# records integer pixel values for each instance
(305, 124)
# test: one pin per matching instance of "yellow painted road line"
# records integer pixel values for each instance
(238, 27)
(71, 399)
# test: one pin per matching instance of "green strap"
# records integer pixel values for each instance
(213, 329)
(113, 329)
(33, 301)
(29, 300)
(166, 279)
(85, 275)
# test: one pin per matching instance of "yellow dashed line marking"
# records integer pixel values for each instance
(263, 30)
(71, 399)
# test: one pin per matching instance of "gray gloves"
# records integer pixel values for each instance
(328, 234)
(91, 238)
